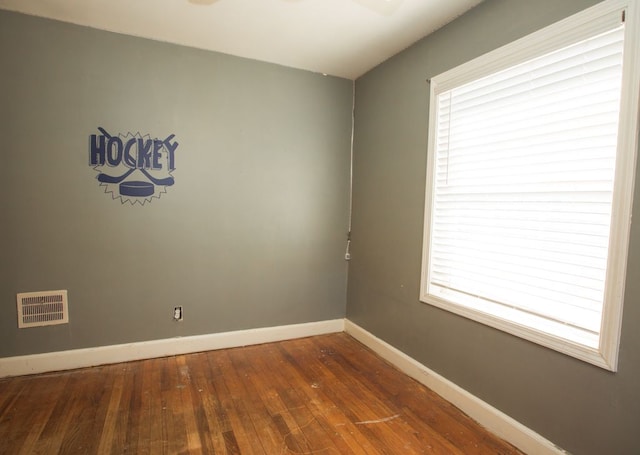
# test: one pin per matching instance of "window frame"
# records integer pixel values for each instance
(539, 43)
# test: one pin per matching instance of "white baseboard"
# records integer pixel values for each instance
(491, 418)
(81, 358)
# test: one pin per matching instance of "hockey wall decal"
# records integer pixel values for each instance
(131, 167)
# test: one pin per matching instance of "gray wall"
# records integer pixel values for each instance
(253, 232)
(582, 408)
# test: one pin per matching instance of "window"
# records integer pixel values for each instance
(530, 175)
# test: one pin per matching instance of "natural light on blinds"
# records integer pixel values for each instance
(524, 177)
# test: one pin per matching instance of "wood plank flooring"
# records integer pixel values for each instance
(321, 395)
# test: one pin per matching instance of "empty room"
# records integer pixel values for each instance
(319, 227)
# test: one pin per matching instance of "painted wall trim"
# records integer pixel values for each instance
(491, 418)
(81, 358)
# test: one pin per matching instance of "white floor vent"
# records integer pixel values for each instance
(36, 309)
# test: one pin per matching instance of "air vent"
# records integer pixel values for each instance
(36, 309)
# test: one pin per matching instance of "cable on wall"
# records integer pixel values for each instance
(347, 254)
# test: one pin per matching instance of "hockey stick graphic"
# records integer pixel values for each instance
(104, 178)
(167, 181)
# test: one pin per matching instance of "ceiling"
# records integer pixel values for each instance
(343, 38)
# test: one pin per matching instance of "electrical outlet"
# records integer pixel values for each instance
(177, 313)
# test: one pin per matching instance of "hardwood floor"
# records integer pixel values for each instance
(322, 395)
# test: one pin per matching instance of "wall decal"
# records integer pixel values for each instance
(132, 167)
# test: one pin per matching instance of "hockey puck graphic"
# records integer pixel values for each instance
(136, 188)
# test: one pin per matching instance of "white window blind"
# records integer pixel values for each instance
(521, 185)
